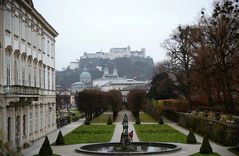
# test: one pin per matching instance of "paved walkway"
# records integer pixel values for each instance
(119, 127)
(69, 150)
(34, 149)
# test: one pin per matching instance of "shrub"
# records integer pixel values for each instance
(87, 121)
(206, 147)
(191, 139)
(109, 122)
(161, 120)
(60, 139)
(46, 148)
(137, 121)
(68, 119)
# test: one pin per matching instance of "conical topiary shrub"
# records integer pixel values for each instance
(161, 120)
(206, 147)
(191, 139)
(60, 139)
(46, 148)
(109, 121)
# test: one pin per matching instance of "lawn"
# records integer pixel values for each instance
(144, 117)
(159, 133)
(103, 118)
(90, 134)
(199, 154)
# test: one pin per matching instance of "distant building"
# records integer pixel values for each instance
(74, 65)
(84, 83)
(116, 53)
(27, 73)
(114, 82)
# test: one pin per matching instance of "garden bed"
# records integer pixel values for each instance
(90, 134)
(159, 133)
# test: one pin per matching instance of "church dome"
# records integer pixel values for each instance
(85, 77)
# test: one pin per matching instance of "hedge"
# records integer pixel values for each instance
(220, 132)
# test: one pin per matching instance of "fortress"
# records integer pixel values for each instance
(116, 53)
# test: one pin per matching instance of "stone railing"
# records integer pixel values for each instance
(21, 90)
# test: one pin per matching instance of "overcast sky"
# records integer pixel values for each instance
(95, 25)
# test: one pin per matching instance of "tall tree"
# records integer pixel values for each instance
(135, 101)
(222, 34)
(162, 87)
(179, 51)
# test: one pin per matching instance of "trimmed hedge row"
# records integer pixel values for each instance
(220, 132)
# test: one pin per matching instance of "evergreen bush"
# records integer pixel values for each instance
(191, 139)
(161, 120)
(60, 139)
(206, 147)
(87, 121)
(46, 148)
(109, 122)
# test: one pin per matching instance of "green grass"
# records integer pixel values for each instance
(90, 134)
(145, 117)
(199, 154)
(78, 113)
(159, 133)
(103, 118)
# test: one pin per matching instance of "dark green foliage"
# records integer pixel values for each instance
(191, 139)
(87, 121)
(60, 139)
(206, 147)
(137, 121)
(46, 148)
(162, 87)
(109, 122)
(68, 119)
(161, 120)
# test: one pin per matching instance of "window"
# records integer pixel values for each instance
(48, 79)
(15, 72)
(40, 78)
(36, 119)
(9, 127)
(48, 48)
(29, 75)
(35, 76)
(52, 50)
(24, 124)
(31, 122)
(8, 70)
(41, 118)
(8, 19)
(23, 76)
(44, 77)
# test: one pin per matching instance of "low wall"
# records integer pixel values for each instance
(221, 132)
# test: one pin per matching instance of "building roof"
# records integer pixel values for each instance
(78, 83)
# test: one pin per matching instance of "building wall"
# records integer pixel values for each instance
(27, 73)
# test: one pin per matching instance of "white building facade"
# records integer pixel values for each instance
(27, 73)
